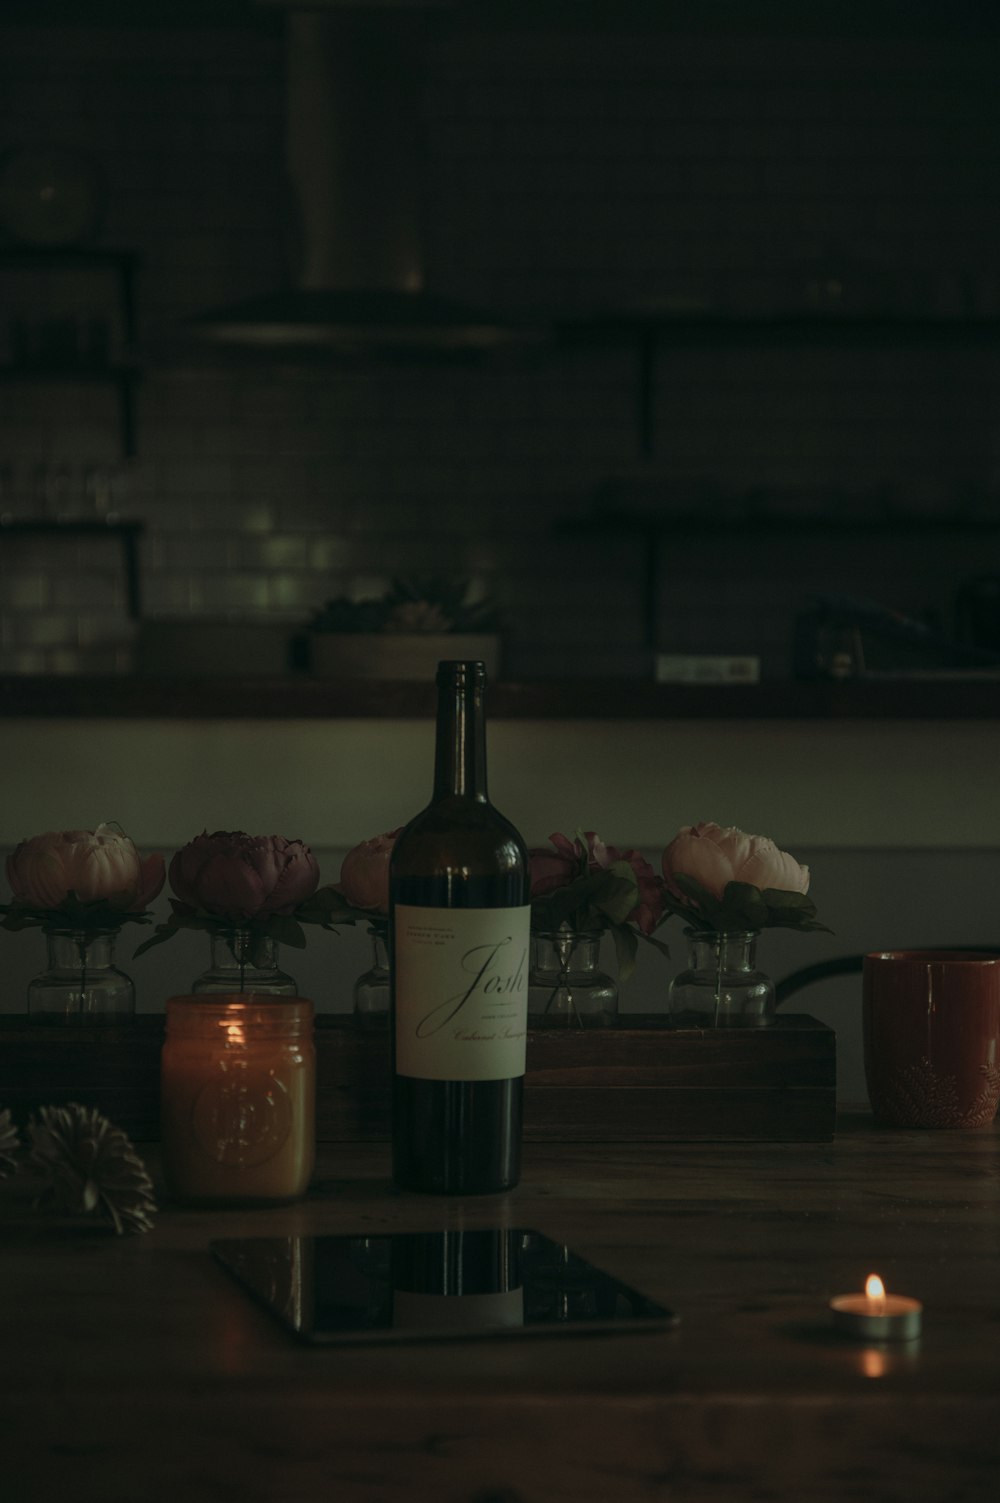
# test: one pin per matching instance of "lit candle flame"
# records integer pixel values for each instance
(875, 1289)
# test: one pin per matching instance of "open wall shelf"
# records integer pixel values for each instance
(655, 335)
(120, 375)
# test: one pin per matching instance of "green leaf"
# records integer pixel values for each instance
(657, 944)
(205, 923)
(328, 907)
(743, 907)
(792, 910)
(91, 918)
(804, 925)
(284, 930)
(617, 894)
(325, 905)
(159, 936)
(569, 904)
(592, 901)
(183, 917)
(779, 897)
(692, 888)
(674, 908)
(16, 918)
(626, 947)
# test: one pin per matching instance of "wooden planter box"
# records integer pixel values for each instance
(645, 1082)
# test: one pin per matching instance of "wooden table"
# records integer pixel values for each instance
(135, 1371)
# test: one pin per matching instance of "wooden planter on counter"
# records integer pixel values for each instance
(642, 1082)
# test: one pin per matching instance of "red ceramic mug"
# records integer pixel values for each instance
(932, 1037)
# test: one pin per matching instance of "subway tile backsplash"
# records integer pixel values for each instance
(569, 172)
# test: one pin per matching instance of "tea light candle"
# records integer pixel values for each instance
(238, 1097)
(875, 1315)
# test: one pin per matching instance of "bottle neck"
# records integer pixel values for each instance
(460, 752)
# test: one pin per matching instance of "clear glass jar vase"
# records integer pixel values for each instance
(371, 990)
(722, 987)
(243, 961)
(565, 987)
(81, 984)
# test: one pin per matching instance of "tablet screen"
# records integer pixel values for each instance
(443, 1285)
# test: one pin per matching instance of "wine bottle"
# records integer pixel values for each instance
(459, 933)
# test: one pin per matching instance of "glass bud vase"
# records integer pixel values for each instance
(371, 990)
(722, 987)
(80, 983)
(244, 962)
(565, 987)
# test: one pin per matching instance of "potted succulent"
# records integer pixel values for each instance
(404, 633)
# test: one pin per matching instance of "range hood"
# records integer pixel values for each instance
(355, 249)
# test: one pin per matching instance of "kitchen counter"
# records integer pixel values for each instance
(135, 1368)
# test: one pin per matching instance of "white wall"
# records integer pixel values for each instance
(846, 784)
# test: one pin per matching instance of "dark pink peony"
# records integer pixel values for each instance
(364, 874)
(550, 870)
(243, 877)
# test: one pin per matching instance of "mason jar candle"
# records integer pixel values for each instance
(238, 1098)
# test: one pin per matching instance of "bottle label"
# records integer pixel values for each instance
(461, 985)
(457, 1312)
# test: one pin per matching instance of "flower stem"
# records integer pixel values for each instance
(566, 949)
(718, 983)
(562, 984)
(237, 942)
(81, 950)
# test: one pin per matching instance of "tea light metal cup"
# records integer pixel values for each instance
(876, 1315)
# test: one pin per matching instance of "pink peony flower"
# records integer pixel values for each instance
(364, 873)
(715, 856)
(99, 865)
(242, 877)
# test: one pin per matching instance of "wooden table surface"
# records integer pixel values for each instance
(134, 1370)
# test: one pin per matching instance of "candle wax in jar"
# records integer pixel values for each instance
(237, 1100)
